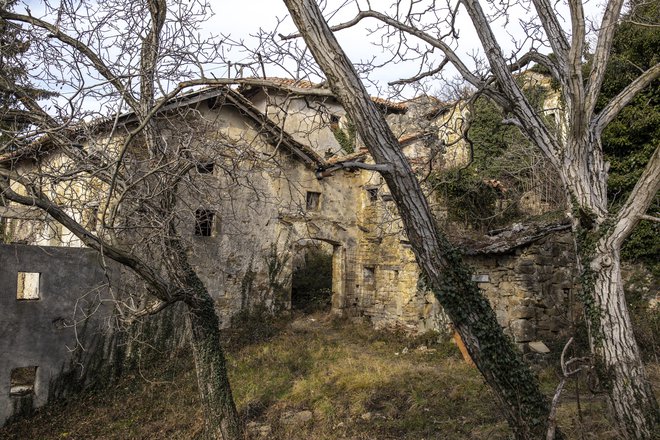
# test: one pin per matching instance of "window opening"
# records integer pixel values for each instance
(334, 122)
(27, 287)
(22, 381)
(369, 275)
(205, 168)
(204, 222)
(372, 193)
(313, 199)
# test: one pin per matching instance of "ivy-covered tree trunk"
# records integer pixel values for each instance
(524, 406)
(220, 415)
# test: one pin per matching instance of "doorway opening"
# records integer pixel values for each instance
(311, 281)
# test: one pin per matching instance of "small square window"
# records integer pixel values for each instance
(312, 202)
(22, 381)
(205, 168)
(27, 287)
(204, 222)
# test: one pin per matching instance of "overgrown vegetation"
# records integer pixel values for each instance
(346, 136)
(631, 138)
(507, 178)
(355, 382)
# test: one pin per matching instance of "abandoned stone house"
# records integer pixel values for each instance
(295, 180)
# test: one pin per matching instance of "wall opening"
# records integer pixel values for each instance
(311, 280)
(22, 381)
(204, 223)
(372, 194)
(27, 286)
(369, 276)
(312, 200)
(205, 168)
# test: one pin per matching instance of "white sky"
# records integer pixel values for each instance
(240, 19)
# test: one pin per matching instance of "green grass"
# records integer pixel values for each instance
(357, 383)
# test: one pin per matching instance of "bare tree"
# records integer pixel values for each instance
(131, 165)
(420, 30)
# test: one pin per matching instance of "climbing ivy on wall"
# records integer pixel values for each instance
(346, 137)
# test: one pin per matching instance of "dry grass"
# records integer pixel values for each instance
(354, 383)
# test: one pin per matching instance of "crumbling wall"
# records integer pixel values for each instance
(532, 288)
(59, 328)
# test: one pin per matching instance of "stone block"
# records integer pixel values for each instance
(538, 347)
(523, 330)
(522, 312)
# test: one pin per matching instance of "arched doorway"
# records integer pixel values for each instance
(312, 276)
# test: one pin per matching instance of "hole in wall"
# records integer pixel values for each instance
(22, 381)
(27, 286)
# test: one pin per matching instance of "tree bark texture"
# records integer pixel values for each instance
(599, 236)
(220, 415)
(525, 407)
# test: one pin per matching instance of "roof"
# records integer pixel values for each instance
(266, 127)
(308, 88)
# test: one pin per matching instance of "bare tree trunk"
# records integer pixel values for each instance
(525, 407)
(618, 361)
(220, 415)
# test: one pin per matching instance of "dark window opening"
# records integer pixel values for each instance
(205, 168)
(312, 202)
(204, 223)
(369, 275)
(334, 122)
(22, 381)
(372, 193)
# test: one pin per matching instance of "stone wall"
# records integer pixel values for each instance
(531, 288)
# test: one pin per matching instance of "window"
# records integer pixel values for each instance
(369, 275)
(22, 381)
(205, 168)
(334, 122)
(372, 194)
(92, 218)
(204, 222)
(313, 199)
(27, 287)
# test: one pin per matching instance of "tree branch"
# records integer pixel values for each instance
(638, 202)
(40, 200)
(381, 168)
(437, 43)
(602, 53)
(617, 104)
(97, 62)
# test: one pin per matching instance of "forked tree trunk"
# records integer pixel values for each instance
(220, 415)
(524, 406)
(618, 361)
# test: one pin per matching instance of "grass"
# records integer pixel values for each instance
(314, 378)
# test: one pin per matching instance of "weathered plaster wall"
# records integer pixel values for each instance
(49, 332)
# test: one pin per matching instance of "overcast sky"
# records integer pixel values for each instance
(241, 19)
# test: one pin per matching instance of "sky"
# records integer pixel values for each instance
(240, 20)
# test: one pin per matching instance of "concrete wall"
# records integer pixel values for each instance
(49, 332)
